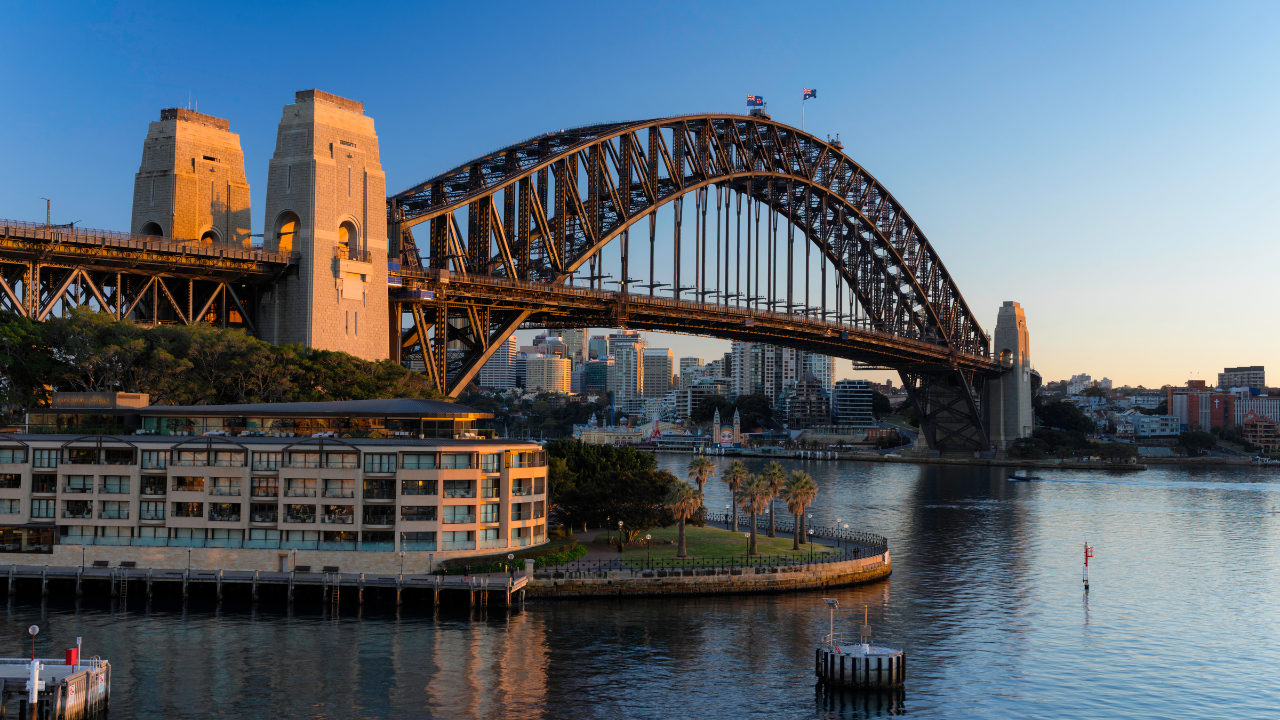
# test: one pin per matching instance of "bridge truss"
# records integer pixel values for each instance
(508, 234)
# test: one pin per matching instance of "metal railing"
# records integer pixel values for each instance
(419, 517)
(459, 519)
(379, 520)
(732, 564)
(337, 519)
(339, 493)
(350, 253)
(874, 544)
(132, 241)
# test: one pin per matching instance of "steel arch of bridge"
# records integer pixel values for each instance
(566, 195)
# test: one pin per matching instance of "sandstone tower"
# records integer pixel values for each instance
(326, 204)
(191, 183)
(1008, 411)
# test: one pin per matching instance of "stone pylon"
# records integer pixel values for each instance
(1007, 405)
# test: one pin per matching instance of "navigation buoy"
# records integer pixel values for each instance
(860, 665)
(1088, 553)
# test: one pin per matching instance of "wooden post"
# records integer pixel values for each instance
(360, 592)
(13, 589)
(219, 583)
(150, 571)
(79, 593)
(112, 580)
(186, 575)
(399, 585)
(255, 586)
(291, 573)
(44, 582)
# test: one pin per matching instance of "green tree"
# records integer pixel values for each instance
(734, 476)
(1096, 392)
(683, 501)
(880, 405)
(799, 492)
(1063, 415)
(753, 411)
(700, 467)
(754, 496)
(707, 407)
(1116, 452)
(1196, 442)
(775, 477)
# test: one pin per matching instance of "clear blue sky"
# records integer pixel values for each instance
(1111, 166)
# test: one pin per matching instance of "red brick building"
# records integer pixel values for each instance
(1200, 408)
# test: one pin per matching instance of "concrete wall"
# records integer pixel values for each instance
(175, 558)
(764, 579)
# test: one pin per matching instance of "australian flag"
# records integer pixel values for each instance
(809, 93)
(755, 101)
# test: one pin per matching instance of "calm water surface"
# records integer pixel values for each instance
(985, 597)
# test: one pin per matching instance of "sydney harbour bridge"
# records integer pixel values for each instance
(728, 226)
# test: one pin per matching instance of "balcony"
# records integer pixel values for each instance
(44, 488)
(516, 516)
(224, 515)
(77, 488)
(347, 253)
(458, 545)
(339, 493)
(299, 518)
(188, 487)
(459, 492)
(300, 492)
(305, 464)
(265, 492)
(342, 519)
(270, 516)
(225, 491)
(493, 543)
(521, 490)
(379, 492)
(153, 489)
(459, 519)
(520, 541)
(383, 519)
(113, 515)
(152, 515)
(418, 517)
(79, 514)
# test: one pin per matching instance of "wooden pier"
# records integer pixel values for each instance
(325, 585)
(63, 692)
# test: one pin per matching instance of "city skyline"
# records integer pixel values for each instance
(995, 152)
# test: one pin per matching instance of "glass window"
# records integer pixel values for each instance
(266, 487)
(418, 541)
(224, 512)
(521, 536)
(228, 458)
(10, 507)
(114, 510)
(79, 484)
(343, 461)
(225, 486)
(188, 484)
(44, 483)
(266, 460)
(490, 487)
(418, 513)
(152, 510)
(339, 514)
(491, 462)
(115, 484)
(459, 514)
(188, 510)
(419, 461)
(539, 509)
(339, 488)
(155, 459)
(263, 513)
(528, 459)
(46, 458)
(455, 460)
(418, 487)
(300, 513)
(153, 485)
(78, 509)
(521, 486)
(380, 489)
(117, 456)
(193, 458)
(489, 513)
(379, 515)
(300, 487)
(80, 456)
(539, 486)
(380, 463)
(458, 540)
(10, 480)
(42, 508)
(304, 459)
(519, 511)
(460, 488)
(13, 455)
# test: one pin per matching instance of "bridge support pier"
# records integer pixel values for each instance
(1006, 407)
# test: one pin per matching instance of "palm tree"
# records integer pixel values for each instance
(684, 501)
(700, 467)
(755, 496)
(799, 491)
(733, 476)
(776, 477)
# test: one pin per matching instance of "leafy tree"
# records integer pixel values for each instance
(880, 405)
(684, 501)
(575, 470)
(638, 498)
(1063, 415)
(1117, 451)
(754, 497)
(1196, 441)
(734, 476)
(799, 492)
(892, 441)
(776, 478)
(1095, 391)
(909, 413)
(1029, 448)
(1161, 409)
(753, 411)
(707, 406)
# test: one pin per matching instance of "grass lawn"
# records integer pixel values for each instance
(705, 542)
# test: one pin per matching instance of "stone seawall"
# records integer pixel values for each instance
(554, 583)
(175, 558)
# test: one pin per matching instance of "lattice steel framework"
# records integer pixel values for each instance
(544, 209)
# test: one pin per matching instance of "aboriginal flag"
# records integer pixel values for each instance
(809, 93)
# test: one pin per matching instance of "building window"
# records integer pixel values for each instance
(489, 513)
(153, 485)
(539, 509)
(304, 460)
(188, 484)
(458, 540)
(490, 487)
(339, 488)
(348, 239)
(114, 510)
(266, 487)
(266, 461)
(10, 507)
(300, 513)
(418, 513)
(263, 512)
(79, 484)
(459, 514)
(43, 483)
(152, 510)
(491, 538)
(43, 508)
(117, 456)
(418, 541)
(192, 458)
(519, 511)
(539, 486)
(340, 461)
(228, 458)
(154, 459)
(491, 462)
(224, 512)
(46, 458)
(338, 514)
(380, 463)
(374, 515)
(459, 488)
(521, 536)
(13, 455)
(455, 460)
(10, 481)
(419, 461)
(380, 489)
(225, 486)
(528, 459)
(521, 486)
(300, 487)
(188, 510)
(418, 487)
(78, 509)
(115, 484)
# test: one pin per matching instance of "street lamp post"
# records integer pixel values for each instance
(47, 220)
(747, 536)
(647, 538)
(620, 540)
(810, 542)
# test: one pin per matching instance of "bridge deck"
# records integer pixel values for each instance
(576, 307)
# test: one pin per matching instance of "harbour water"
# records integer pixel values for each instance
(986, 598)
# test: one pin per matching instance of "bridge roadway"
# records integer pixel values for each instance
(560, 305)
